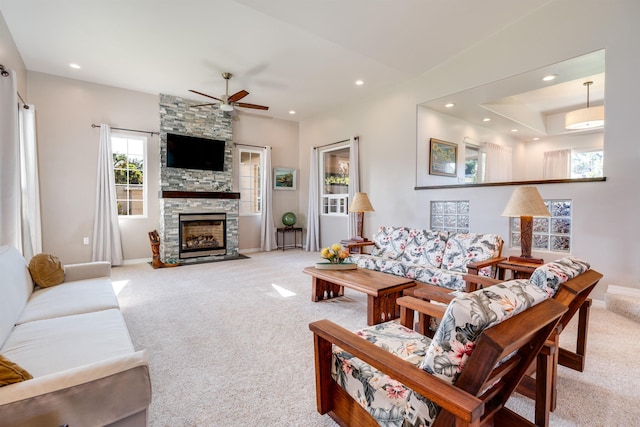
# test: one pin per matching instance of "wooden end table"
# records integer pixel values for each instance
(356, 246)
(382, 289)
(520, 269)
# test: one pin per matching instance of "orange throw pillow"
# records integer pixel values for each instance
(46, 270)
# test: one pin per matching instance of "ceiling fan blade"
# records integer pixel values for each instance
(238, 96)
(255, 106)
(203, 105)
(204, 94)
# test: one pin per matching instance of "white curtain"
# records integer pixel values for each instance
(107, 245)
(498, 164)
(267, 229)
(313, 211)
(10, 206)
(31, 221)
(556, 164)
(354, 183)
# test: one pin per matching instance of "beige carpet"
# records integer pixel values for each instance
(229, 345)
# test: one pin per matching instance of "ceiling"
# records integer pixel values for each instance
(301, 55)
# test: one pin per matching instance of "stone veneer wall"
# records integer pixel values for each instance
(177, 115)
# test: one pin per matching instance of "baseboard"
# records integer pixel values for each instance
(136, 261)
(623, 290)
(249, 251)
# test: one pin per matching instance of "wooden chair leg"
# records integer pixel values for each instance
(576, 361)
(545, 383)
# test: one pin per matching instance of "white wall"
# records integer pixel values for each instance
(604, 225)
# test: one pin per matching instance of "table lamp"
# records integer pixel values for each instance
(360, 205)
(525, 202)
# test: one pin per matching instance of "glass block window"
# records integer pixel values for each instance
(450, 216)
(549, 234)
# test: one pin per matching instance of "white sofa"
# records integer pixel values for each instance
(73, 340)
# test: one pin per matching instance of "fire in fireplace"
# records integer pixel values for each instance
(203, 234)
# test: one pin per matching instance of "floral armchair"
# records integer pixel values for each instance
(391, 375)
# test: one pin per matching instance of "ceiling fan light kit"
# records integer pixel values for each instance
(585, 118)
(229, 102)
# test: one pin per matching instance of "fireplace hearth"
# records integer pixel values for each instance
(202, 234)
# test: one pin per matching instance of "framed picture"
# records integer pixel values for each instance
(284, 178)
(443, 158)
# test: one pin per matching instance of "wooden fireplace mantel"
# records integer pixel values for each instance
(199, 195)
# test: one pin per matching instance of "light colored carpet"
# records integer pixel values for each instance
(229, 345)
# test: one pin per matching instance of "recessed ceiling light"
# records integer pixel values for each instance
(550, 77)
(292, 112)
(536, 139)
(74, 66)
(514, 130)
(486, 119)
(449, 105)
(359, 82)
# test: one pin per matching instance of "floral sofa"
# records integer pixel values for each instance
(435, 257)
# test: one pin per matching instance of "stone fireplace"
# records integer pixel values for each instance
(189, 193)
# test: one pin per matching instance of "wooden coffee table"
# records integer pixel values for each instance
(382, 289)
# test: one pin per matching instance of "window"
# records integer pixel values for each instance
(474, 161)
(335, 184)
(129, 155)
(450, 216)
(549, 234)
(250, 181)
(587, 163)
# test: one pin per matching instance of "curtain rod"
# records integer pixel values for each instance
(130, 130)
(249, 145)
(5, 73)
(334, 143)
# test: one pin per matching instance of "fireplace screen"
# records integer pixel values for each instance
(203, 234)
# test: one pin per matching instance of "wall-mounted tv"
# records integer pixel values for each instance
(190, 152)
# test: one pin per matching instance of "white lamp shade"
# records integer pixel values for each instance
(526, 201)
(585, 118)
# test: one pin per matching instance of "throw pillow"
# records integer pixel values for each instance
(11, 373)
(46, 270)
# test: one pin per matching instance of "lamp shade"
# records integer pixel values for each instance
(361, 203)
(585, 118)
(525, 201)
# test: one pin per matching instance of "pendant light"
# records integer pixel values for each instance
(585, 118)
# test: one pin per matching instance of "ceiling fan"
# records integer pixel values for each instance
(228, 102)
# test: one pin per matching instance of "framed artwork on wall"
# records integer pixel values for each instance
(443, 158)
(284, 178)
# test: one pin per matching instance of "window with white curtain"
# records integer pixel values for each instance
(587, 163)
(334, 166)
(129, 165)
(250, 181)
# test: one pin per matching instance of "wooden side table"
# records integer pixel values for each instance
(519, 269)
(356, 246)
(283, 231)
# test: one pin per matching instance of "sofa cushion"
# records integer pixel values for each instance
(15, 287)
(390, 242)
(551, 275)
(467, 316)
(11, 373)
(46, 270)
(48, 346)
(436, 276)
(463, 248)
(82, 296)
(425, 247)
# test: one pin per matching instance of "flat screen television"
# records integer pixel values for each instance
(190, 152)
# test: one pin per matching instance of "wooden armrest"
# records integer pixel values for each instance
(442, 295)
(480, 280)
(464, 406)
(473, 267)
(422, 306)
